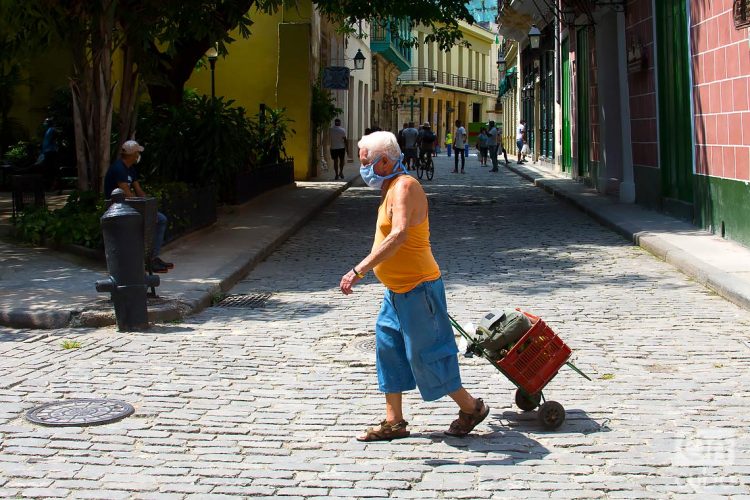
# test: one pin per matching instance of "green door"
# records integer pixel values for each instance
(566, 149)
(675, 127)
(583, 131)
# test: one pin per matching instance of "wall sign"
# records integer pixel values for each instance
(336, 78)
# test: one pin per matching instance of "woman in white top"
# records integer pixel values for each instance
(521, 140)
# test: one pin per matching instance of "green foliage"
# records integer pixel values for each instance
(22, 154)
(77, 222)
(31, 225)
(200, 142)
(207, 141)
(323, 108)
(441, 17)
(71, 344)
(270, 129)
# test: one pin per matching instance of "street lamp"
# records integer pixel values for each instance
(410, 101)
(534, 36)
(212, 54)
(501, 63)
(359, 60)
(569, 16)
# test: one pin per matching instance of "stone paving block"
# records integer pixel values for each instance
(304, 492)
(27, 482)
(415, 494)
(358, 493)
(101, 494)
(44, 493)
(155, 495)
(252, 491)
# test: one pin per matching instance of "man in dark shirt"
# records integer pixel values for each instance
(426, 142)
(123, 174)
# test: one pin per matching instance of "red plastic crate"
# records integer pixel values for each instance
(536, 358)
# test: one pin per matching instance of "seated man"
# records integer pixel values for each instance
(426, 142)
(123, 174)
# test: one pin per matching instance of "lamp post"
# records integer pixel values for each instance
(212, 55)
(359, 60)
(534, 36)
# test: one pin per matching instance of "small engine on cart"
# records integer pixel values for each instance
(498, 332)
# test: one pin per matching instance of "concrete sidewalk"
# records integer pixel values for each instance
(719, 264)
(41, 288)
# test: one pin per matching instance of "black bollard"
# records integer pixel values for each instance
(122, 230)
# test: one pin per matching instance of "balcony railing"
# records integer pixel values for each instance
(426, 75)
(385, 38)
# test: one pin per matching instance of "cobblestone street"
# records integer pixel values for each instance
(267, 401)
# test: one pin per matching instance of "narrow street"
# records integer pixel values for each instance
(267, 401)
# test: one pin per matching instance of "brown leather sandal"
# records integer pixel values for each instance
(466, 422)
(386, 432)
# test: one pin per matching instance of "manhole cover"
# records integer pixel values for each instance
(366, 346)
(248, 301)
(80, 412)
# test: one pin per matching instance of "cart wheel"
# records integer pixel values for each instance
(551, 415)
(527, 402)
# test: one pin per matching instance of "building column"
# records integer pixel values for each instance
(627, 186)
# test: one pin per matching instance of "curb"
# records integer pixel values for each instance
(717, 280)
(174, 309)
(204, 300)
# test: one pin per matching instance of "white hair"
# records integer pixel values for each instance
(380, 143)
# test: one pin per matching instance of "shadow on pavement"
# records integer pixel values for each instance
(501, 447)
(577, 421)
(176, 329)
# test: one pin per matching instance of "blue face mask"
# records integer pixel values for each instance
(376, 181)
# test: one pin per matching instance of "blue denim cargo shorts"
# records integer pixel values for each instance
(414, 342)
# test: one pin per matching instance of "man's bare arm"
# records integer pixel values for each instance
(138, 190)
(124, 186)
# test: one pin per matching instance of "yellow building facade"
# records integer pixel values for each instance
(460, 84)
(275, 67)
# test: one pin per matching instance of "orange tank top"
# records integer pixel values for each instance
(413, 263)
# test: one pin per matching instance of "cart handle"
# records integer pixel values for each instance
(574, 367)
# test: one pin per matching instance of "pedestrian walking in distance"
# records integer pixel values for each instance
(415, 347)
(337, 135)
(459, 146)
(521, 140)
(494, 144)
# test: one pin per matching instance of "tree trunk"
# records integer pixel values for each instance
(93, 91)
(128, 95)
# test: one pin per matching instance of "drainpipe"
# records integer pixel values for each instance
(627, 186)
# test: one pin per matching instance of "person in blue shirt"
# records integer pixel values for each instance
(124, 175)
(50, 162)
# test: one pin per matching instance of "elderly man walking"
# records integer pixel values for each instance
(415, 347)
